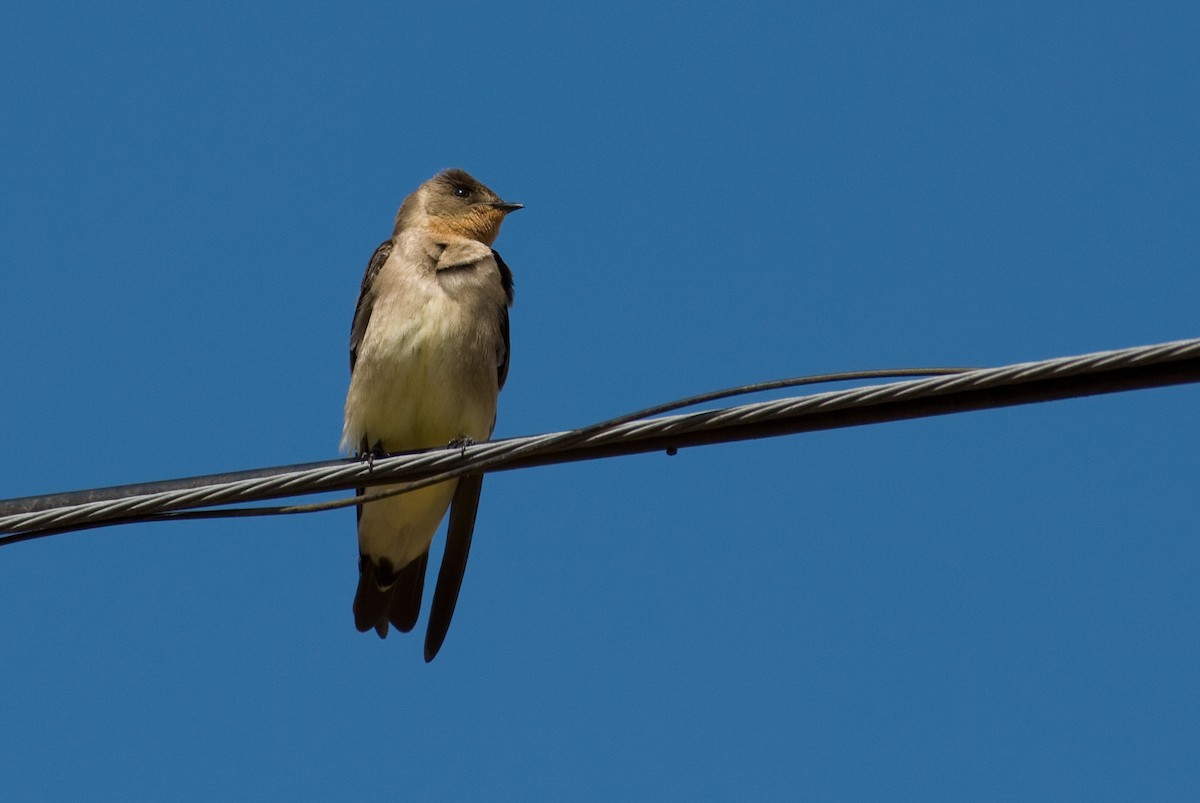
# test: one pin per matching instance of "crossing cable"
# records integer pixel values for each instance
(960, 391)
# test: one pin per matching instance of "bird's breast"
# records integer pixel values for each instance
(426, 370)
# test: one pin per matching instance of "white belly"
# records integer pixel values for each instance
(425, 376)
(421, 380)
(400, 528)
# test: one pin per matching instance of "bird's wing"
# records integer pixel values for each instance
(463, 508)
(454, 562)
(366, 299)
(373, 606)
(506, 281)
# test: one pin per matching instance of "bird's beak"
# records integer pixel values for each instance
(507, 207)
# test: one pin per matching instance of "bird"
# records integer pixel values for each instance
(429, 353)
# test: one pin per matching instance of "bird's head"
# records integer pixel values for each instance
(454, 204)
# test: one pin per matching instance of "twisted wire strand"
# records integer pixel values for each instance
(1063, 377)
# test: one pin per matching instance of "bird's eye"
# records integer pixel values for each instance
(462, 192)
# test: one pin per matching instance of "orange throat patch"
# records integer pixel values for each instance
(480, 223)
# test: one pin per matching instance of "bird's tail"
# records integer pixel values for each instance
(385, 595)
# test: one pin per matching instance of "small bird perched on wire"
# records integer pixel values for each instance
(428, 356)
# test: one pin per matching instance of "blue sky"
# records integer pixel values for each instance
(1001, 605)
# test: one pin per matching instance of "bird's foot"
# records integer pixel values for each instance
(461, 442)
(368, 455)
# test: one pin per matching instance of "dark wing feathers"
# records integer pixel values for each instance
(463, 508)
(506, 282)
(366, 299)
(454, 561)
